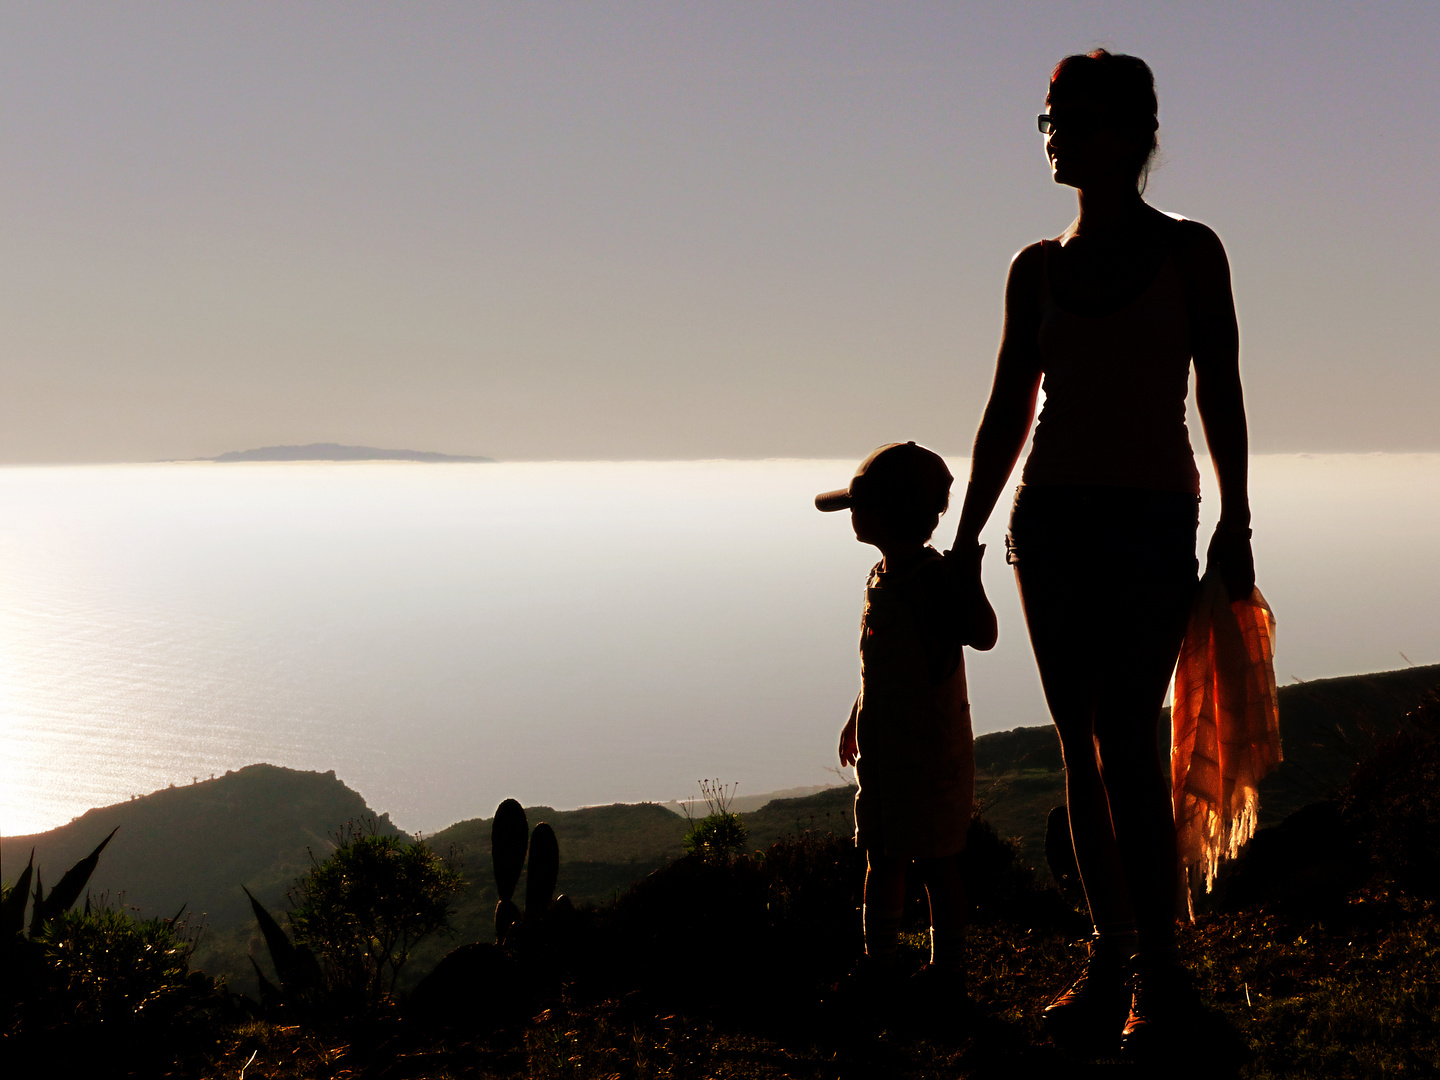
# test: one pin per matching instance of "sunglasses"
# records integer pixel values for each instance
(1081, 125)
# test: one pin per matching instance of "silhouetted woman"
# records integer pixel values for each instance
(1107, 319)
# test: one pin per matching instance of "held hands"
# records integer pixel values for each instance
(1229, 555)
(978, 626)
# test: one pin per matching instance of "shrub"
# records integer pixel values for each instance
(96, 966)
(721, 833)
(100, 991)
(716, 836)
(364, 908)
(109, 966)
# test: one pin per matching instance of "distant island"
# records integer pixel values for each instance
(336, 452)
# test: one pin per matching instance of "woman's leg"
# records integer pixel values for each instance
(1089, 1013)
(1062, 638)
(1130, 692)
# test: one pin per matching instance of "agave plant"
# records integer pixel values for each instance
(48, 906)
(97, 966)
(295, 965)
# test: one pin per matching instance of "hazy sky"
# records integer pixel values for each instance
(580, 231)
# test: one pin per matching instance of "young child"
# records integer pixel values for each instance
(909, 733)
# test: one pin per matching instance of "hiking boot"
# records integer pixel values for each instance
(1165, 1013)
(1089, 1014)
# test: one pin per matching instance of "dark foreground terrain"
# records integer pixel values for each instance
(1317, 954)
(1353, 996)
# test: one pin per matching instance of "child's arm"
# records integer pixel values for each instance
(849, 747)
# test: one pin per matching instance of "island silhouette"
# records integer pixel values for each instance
(337, 452)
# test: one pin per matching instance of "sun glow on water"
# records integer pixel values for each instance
(444, 636)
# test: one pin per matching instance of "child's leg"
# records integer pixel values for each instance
(947, 913)
(884, 907)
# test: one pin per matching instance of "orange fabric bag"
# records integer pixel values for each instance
(1225, 729)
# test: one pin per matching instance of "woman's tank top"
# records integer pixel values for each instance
(1115, 386)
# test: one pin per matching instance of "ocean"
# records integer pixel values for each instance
(445, 636)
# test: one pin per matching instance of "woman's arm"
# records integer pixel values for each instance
(1215, 345)
(1011, 408)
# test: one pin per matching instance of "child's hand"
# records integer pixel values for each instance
(849, 748)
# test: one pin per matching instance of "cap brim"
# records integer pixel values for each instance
(831, 501)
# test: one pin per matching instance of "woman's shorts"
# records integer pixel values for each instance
(1105, 534)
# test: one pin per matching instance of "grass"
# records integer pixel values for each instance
(1353, 996)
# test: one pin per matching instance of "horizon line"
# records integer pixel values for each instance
(655, 460)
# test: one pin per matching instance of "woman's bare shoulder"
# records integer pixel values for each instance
(1028, 262)
(1196, 241)
(1199, 255)
(1030, 253)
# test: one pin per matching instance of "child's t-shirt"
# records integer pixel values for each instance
(916, 765)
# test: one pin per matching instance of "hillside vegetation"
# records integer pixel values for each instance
(1327, 726)
(256, 827)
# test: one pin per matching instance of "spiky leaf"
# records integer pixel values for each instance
(72, 885)
(36, 918)
(269, 992)
(544, 870)
(12, 913)
(282, 952)
(509, 837)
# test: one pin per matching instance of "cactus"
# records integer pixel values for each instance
(544, 871)
(506, 916)
(509, 837)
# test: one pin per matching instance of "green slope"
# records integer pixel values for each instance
(1327, 726)
(196, 845)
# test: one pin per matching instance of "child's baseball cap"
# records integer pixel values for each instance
(896, 473)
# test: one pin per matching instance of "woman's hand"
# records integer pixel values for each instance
(1230, 556)
(849, 747)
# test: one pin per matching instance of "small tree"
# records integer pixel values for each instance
(364, 908)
